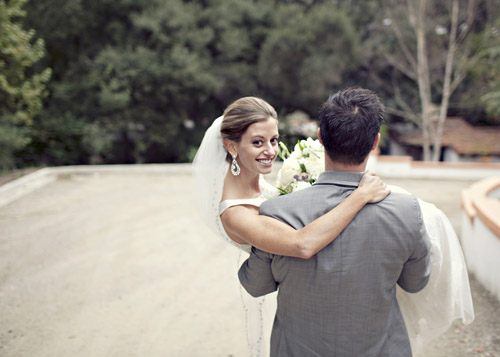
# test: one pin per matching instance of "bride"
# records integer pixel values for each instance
(236, 151)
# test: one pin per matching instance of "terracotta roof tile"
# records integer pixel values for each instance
(462, 137)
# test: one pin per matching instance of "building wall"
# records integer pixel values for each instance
(448, 154)
(451, 155)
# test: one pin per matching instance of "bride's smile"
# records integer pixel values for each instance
(266, 162)
(258, 147)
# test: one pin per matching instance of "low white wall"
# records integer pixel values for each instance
(15, 189)
(481, 231)
(482, 252)
(405, 167)
(18, 188)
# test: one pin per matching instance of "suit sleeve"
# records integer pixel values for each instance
(255, 273)
(417, 269)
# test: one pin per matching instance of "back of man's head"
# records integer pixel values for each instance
(349, 123)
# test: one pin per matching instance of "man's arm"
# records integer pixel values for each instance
(417, 270)
(255, 274)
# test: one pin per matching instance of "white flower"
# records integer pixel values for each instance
(300, 185)
(302, 166)
(315, 165)
(296, 153)
(289, 169)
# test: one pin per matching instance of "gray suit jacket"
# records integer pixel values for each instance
(342, 301)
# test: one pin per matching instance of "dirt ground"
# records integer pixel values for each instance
(121, 265)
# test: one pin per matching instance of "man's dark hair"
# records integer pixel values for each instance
(349, 122)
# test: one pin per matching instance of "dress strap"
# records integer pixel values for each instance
(224, 205)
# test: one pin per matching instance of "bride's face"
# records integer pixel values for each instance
(258, 147)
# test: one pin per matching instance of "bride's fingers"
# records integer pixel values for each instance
(368, 178)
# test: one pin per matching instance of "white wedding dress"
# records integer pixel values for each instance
(258, 312)
(427, 314)
(447, 296)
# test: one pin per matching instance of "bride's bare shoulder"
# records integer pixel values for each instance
(235, 218)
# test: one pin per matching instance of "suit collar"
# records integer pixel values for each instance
(343, 178)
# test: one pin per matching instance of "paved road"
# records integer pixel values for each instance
(121, 265)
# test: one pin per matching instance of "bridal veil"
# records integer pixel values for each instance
(209, 170)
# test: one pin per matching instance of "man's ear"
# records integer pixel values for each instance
(376, 142)
(230, 146)
(319, 136)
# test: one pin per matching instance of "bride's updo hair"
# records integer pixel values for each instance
(242, 113)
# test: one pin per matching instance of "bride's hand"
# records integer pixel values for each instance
(373, 188)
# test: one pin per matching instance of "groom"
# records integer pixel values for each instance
(342, 301)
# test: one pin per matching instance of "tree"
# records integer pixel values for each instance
(490, 74)
(239, 30)
(139, 81)
(67, 132)
(491, 99)
(305, 55)
(150, 91)
(430, 45)
(21, 90)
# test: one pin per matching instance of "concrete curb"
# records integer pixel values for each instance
(404, 167)
(391, 167)
(26, 184)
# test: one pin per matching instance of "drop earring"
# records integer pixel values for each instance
(235, 168)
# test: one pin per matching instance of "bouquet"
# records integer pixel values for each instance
(302, 167)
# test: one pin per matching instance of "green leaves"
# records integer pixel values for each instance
(140, 80)
(21, 90)
(283, 153)
(305, 54)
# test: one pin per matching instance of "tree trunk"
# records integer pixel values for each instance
(447, 81)
(432, 117)
(423, 76)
